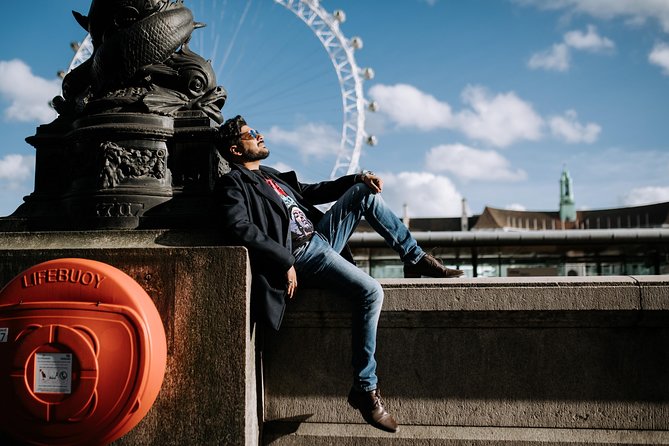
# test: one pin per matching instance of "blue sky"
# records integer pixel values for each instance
(481, 99)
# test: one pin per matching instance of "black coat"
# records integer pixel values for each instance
(254, 216)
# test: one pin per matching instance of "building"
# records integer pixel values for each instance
(636, 217)
(503, 242)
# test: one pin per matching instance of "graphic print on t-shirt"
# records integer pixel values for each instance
(301, 228)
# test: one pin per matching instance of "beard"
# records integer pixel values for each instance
(257, 156)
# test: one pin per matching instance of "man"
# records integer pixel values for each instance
(291, 242)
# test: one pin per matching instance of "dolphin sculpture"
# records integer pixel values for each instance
(128, 36)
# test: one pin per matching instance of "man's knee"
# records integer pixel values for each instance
(361, 189)
(374, 293)
(365, 194)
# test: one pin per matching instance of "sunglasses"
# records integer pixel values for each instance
(252, 134)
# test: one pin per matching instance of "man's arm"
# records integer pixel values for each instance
(327, 191)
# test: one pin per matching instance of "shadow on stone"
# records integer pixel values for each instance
(275, 429)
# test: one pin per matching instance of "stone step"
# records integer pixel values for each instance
(295, 433)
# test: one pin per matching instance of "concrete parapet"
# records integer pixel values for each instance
(202, 293)
(481, 361)
(468, 361)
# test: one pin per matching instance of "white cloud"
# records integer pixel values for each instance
(407, 106)
(515, 207)
(281, 167)
(634, 11)
(660, 56)
(558, 57)
(646, 195)
(589, 41)
(425, 194)
(468, 163)
(28, 95)
(310, 139)
(568, 128)
(499, 120)
(554, 59)
(15, 169)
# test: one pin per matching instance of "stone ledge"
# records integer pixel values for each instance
(158, 238)
(614, 293)
(322, 434)
(528, 301)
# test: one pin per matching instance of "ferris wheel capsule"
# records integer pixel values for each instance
(356, 43)
(371, 140)
(339, 16)
(368, 73)
(373, 106)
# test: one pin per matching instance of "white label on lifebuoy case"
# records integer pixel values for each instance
(53, 373)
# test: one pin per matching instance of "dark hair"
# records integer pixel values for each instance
(229, 134)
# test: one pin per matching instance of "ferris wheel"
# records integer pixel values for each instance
(341, 51)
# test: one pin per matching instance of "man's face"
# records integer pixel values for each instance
(252, 145)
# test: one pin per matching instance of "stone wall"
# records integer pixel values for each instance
(467, 361)
(481, 360)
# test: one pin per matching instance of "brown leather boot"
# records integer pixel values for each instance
(371, 408)
(430, 267)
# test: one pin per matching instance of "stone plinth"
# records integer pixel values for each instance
(209, 393)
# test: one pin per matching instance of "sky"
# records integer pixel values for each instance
(486, 100)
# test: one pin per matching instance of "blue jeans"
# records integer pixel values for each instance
(321, 264)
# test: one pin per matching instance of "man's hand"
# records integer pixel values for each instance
(372, 181)
(291, 281)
